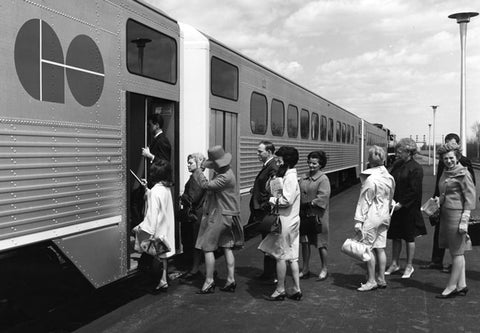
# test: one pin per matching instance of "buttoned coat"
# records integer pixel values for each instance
(456, 189)
(220, 225)
(315, 190)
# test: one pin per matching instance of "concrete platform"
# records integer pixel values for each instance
(334, 305)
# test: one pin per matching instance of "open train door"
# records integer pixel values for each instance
(138, 136)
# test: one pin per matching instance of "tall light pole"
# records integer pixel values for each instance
(462, 20)
(434, 107)
(429, 128)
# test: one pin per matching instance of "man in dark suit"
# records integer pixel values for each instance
(159, 148)
(259, 205)
(437, 252)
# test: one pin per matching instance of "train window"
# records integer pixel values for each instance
(278, 117)
(353, 134)
(338, 131)
(304, 124)
(323, 128)
(224, 79)
(315, 126)
(292, 121)
(151, 53)
(258, 113)
(330, 129)
(344, 132)
(349, 133)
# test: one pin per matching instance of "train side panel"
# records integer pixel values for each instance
(62, 130)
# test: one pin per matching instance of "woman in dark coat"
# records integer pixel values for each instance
(407, 221)
(220, 225)
(191, 214)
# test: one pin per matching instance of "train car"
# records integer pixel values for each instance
(73, 108)
(238, 102)
(372, 134)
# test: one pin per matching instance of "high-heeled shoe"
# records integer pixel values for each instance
(279, 297)
(296, 297)
(463, 291)
(304, 276)
(451, 294)
(229, 287)
(210, 289)
(161, 288)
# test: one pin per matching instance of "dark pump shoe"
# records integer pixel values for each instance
(463, 291)
(160, 289)
(229, 287)
(432, 265)
(296, 297)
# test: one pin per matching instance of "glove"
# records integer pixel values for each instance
(463, 225)
(358, 227)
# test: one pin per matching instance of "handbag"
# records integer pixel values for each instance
(155, 246)
(271, 222)
(356, 249)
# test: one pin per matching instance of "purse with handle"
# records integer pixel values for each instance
(355, 248)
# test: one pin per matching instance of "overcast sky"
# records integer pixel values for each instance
(384, 60)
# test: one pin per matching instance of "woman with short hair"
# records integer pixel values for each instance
(285, 246)
(314, 216)
(372, 215)
(407, 220)
(457, 199)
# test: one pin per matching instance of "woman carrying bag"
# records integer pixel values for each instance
(372, 215)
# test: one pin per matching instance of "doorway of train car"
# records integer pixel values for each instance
(224, 132)
(138, 108)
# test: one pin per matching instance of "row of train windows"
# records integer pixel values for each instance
(154, 55)
(374, 139)
(311, 127)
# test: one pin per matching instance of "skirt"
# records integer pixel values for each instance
(448, 236)
(284, 246)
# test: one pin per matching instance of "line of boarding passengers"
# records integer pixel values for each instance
(211, 215)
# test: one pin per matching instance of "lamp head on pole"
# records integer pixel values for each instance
(463, 17)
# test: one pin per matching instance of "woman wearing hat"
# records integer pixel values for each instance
(220, 225)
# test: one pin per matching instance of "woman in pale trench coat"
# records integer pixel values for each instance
(372, 215)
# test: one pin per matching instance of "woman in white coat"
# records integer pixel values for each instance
(285, 246)
(372, 215)
(159, 218)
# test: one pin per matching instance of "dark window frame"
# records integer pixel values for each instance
(274, 101)
(175, 80)
(266, 113)
(236, 83)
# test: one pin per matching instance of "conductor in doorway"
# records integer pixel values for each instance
(160, 148)
(259, 201)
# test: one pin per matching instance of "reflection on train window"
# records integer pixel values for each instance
(323, 128)
(344, 132)
(278, 117)
(258, 113)
(151, 53)
(224, 79)
(338, 131)
(315, 126)
(304, 123)
(292, 121)
(330, 129)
